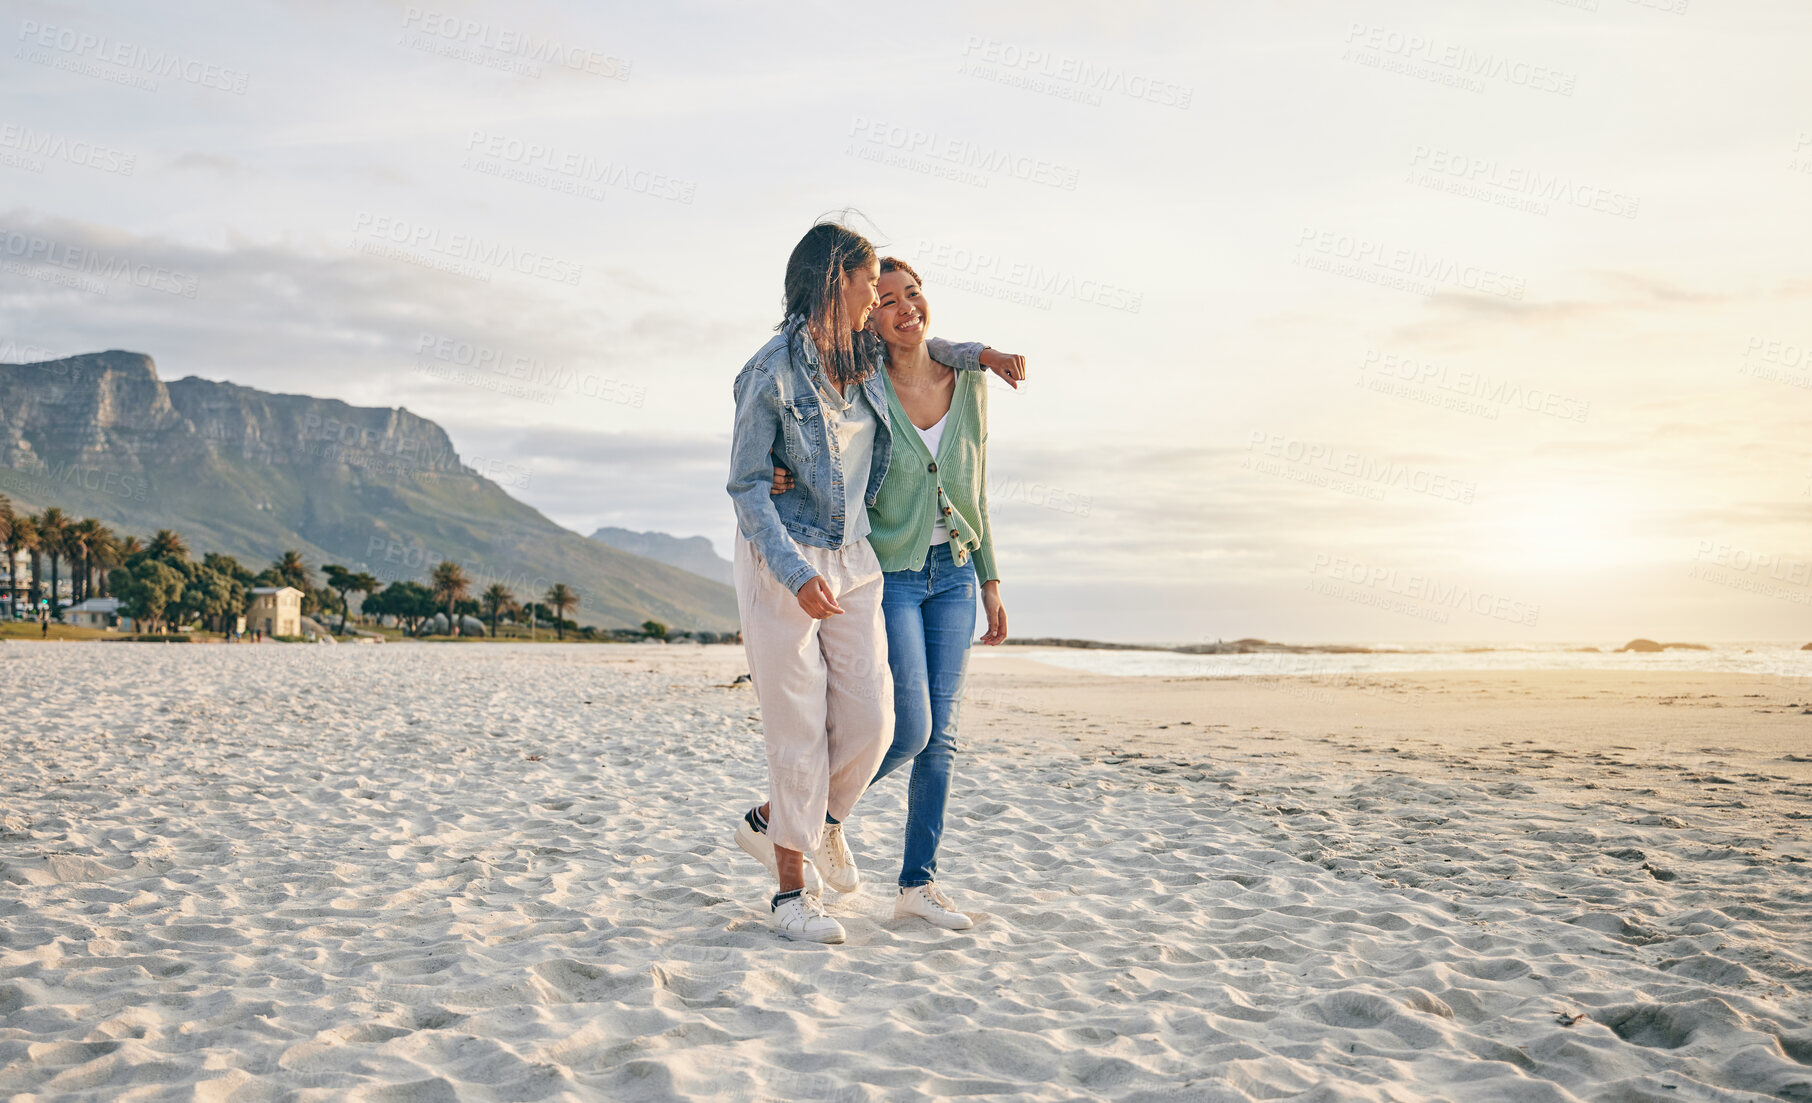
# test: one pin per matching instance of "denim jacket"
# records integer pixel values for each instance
(779, 424)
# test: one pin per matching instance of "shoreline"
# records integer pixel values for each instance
(1262, 647)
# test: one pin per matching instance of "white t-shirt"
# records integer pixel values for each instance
(940, 532)
(852, 422)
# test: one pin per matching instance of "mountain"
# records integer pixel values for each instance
(250, 473)
(688, 553)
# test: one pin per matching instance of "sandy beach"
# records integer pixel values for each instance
(417, 872)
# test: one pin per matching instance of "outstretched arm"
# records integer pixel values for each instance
(974, 356)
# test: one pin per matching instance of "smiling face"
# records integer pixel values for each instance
(859, 293)
(903, 314)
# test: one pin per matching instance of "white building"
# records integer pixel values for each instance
(276, 610)
(96, 612)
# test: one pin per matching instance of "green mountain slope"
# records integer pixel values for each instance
(251, 473)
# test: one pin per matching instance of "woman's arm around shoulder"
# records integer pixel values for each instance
(974, 356)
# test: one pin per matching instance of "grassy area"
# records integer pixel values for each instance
(29, 630)
(545, 636)
(506, 633)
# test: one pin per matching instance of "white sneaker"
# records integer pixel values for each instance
(803, 918)
(929, 903)
(762, 850)
(834, 858)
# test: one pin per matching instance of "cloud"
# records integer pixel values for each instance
(272, 314)
(208, 162)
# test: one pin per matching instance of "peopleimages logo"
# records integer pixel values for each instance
(961, 154)
(1461, 63)
(473, 34)
(12, 352)
(485, 255)
(29, 143)
(72, 475)
(1765, 574)
(1779, 568)
(1417, 587)
(529, 371)
(1365, 471)
(1506, 184)
(1032, 278)
(1055, 73)
(31, 255)
(1396, 267)
(567, 169)
(1777, 361)
(1474, 385)
(82, 51)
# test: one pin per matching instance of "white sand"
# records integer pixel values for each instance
(327, 873)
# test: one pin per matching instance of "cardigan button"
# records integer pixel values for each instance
(933, 467)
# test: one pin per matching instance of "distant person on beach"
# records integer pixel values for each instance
(43, 624)
(930, 530)
(808, 585)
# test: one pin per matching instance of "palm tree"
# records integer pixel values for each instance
(128, 551)
(496, 600)
(75, 549)
(103, 554)
(53, 526)
(560, 599)
(449, 582)
(294, 572)
(6, 541)
(167, 546)
(83, 535)
(23, 541)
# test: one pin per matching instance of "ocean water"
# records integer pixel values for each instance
(1764, 659)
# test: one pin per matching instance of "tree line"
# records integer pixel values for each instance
(156, 581)
(86, 546)
(448, 591)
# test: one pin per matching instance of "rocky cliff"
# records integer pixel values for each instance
(688, 553)
(251, 473)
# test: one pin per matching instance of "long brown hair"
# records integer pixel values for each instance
(814, 291)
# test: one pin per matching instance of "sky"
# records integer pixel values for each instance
(1393, 320)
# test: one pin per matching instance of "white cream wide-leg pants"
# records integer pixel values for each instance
(825, 690)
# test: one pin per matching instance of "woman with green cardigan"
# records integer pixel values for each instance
(929, 528)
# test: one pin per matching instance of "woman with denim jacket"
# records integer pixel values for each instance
(808, 584)
(930, 530)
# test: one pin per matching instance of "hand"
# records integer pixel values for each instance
(997, 614)
(1006, 365)
(816, 599)
(783, 481)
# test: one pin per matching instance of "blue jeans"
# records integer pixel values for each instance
(930, 622)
